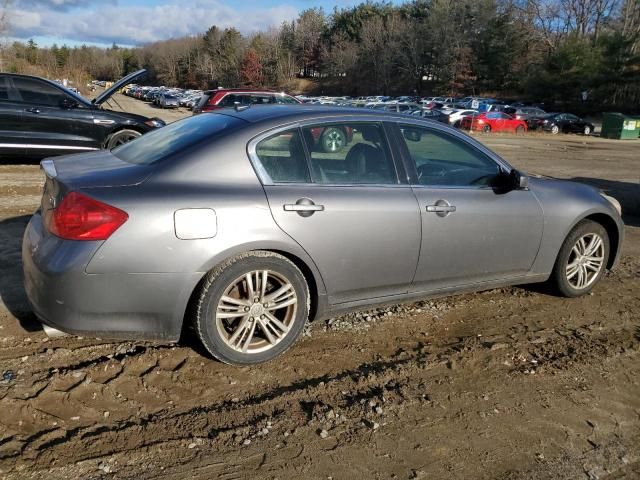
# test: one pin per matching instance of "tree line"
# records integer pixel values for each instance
(540, 50)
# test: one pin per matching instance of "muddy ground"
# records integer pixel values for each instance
(506, 384)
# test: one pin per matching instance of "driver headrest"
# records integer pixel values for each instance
(370, 133)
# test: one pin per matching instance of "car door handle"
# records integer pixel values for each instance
(304, 207)
(441, 208)
(33, 110)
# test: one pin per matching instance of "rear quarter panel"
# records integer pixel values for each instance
(218, 177)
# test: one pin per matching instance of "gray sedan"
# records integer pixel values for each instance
(242, 225)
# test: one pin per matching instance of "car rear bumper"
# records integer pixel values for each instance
(117, 305)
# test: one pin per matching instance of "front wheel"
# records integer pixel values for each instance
(486, 129)
(121, 137)
(587, 130)
(582, 259)
(519, 130)
(252, 308)
(555, 129)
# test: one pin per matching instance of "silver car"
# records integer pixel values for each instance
(241, 224)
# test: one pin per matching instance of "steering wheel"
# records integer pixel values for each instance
(431, 170)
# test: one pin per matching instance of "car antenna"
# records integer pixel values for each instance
(240, 108)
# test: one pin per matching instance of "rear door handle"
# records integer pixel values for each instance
(304, 207)
(33, 110)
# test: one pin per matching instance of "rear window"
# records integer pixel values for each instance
(175, 137)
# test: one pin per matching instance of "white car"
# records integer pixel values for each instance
(455, 116)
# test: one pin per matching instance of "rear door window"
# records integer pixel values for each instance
(349, 153)
(35, 92)
(282, 158)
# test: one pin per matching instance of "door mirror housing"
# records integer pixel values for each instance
(68, 103)
(519, 181)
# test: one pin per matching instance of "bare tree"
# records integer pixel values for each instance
(4, 16)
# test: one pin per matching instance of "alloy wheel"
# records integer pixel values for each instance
(333, 140)
(586, 260)
(124, 138)
(256, 311)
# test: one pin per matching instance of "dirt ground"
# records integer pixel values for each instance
(507, 384)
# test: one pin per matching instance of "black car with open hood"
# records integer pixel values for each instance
(40, 118)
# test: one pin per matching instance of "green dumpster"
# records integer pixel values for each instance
(619, 126)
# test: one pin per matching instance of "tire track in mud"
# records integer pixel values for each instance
(390, 383)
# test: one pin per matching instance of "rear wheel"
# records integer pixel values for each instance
(120, 137)
(519, 130)
(252, 308)
(587, 130)
(582, 259)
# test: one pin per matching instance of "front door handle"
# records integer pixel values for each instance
(33, 110)
(304, 207)
(442, 208)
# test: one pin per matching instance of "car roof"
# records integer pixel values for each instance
(262, 113)
(245, 90)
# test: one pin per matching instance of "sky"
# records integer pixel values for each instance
(135, 22)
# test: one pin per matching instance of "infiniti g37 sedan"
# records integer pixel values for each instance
(241, 225)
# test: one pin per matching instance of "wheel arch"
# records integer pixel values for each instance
(312, 276)
(611, 227)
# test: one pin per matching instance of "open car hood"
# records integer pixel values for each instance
(132, 77)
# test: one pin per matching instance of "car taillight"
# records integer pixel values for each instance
(80, 217)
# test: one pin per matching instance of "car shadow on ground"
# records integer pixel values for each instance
(627, 193)
(12, 291)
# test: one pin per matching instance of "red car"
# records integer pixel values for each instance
(493, 122)
(228, 97)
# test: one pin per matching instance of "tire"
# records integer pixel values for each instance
(555, 129)
(120, 137)
(587, 130)
(562, 270)
(333, 140)
(243, 339)
(486, 129)
(519, 130)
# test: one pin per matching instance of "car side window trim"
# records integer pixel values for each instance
(412, 172)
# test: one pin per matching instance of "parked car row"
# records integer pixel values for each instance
(164, 97)
(470, 113)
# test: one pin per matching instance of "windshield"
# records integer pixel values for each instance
(164, 142)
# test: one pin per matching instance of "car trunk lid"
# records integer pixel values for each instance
(85, 171)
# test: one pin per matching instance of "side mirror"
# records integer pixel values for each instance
(519, 181)
(68, 103)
